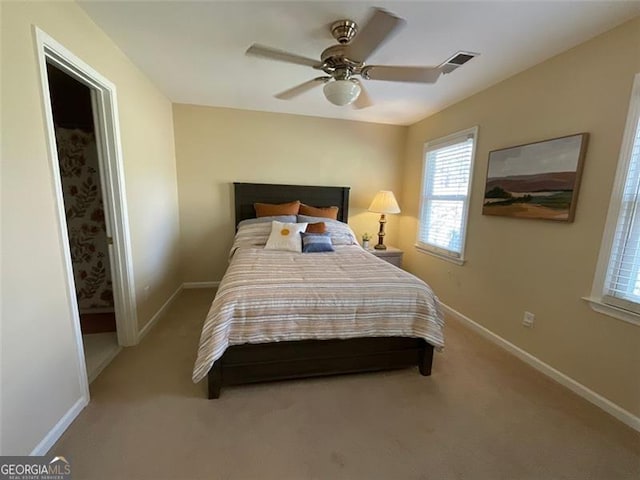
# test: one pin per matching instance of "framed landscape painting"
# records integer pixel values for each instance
(538, 180)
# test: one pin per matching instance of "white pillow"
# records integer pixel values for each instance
(285, 236)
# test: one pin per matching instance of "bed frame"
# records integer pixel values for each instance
(251, 363)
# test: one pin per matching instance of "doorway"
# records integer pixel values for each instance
(83, 138)
(83, 198)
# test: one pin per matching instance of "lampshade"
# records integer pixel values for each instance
(384, 202)
(341, 92)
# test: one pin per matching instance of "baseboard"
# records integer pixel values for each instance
(166, 304)
(91, 376)
(56, 432)
(608, 406)
(150, 324)
(201, 284)
(97, 310)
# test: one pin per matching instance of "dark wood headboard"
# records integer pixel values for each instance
(246, 194)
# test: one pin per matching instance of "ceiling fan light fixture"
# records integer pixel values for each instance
(341, 62)
(342, 92)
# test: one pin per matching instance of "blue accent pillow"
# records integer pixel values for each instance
(316, 242)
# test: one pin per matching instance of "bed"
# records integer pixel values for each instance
(230, 353)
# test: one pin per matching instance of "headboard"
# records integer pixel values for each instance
(246, 194)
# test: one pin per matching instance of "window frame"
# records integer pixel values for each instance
(597, 298)
(451, 139)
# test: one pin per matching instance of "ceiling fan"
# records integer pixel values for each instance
(342, 62)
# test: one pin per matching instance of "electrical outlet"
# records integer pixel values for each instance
(528, 319)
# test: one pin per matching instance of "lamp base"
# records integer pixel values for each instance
(381, 245)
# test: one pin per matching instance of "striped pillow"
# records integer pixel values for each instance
(316, 242)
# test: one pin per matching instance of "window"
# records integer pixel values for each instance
(444, 204)
(616, 288)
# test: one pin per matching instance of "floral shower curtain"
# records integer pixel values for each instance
(79, 169)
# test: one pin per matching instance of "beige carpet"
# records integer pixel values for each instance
(481, 415)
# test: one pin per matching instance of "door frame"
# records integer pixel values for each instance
(105, 108)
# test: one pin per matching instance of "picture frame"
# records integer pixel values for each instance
(538, 180)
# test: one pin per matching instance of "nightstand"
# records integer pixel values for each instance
(392, 255)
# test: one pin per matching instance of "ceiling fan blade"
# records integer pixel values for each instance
(363, 100)
(375, 32)
(303, 87)
(275, 54)
(402, 74)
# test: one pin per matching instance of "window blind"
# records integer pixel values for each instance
(622, 283)
(445, 194)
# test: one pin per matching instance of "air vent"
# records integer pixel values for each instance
(461, 58)
(457, 60)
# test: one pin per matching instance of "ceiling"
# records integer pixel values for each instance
(194, 51)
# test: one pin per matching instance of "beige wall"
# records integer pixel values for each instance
(512, 265)
(217, 146)
(543, 267)
(39, 366)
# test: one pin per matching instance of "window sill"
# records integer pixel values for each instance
(615, 312)
(441, 256)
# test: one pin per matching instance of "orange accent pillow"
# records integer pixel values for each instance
(275, 209)
(319, 227)
(326, 212)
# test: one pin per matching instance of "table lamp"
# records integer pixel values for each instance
(384, 202)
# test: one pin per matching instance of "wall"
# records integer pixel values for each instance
(217, 146)
(515, 265)
(39, 368)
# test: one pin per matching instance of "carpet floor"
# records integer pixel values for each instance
(481, 415)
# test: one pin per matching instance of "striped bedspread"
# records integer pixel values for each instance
(272, 296)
